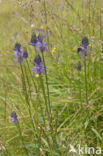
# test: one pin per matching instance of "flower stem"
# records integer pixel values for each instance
(86, 85)
(37, 92)
(20, 133)
(46, 77)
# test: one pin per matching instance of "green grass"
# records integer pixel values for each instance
(76, 107)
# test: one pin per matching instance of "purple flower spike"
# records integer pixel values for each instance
(84, 49)
(19, 53)
(17, 47)
(40, 37)
(14, 117)
(25, 54)
(84, 45)
(38, 66)
(39, 42)
(37, 60)
(42, 46)
(33, 40)
(85, 41)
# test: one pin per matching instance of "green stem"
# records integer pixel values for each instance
(34, 123)
(25, 89)
(80, 88)
(26, 95)
(32, 77)
(86, 85)
(46, 77)
(37, 92)
(46, 22)
(44, 94)
(20, 133)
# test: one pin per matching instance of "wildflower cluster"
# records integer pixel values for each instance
(38, 42)
(40, 46)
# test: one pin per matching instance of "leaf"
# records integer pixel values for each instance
(97, 134)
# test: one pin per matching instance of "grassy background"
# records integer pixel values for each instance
(75, 121)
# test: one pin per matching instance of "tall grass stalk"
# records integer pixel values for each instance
(100, 23)
(46, 76)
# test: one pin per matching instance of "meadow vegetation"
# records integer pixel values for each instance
(52, 98)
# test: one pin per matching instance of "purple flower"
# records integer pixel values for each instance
(84, 49)
(85, 41)
(19, 53)
(33, 40)
(84, 44)
(25, 54)
(17, 47)
(41, 45)
(40, 37)
(38, 66)
(14, 117)
(39, 42)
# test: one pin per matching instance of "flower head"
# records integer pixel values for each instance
(39, 42)
(25, 54)
(53, 50)
(84, 49)
(14, 117)
(38, 66)
(41, 45)
(85, 41)
(84, 44)
(17, 47)
(33, 40)
(19, 53)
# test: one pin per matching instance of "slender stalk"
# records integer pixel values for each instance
(34, 123)
(100, 65)
(100, 23)
(47, 83)
(46, 22)
(37, 92)
(86, 85)
(32, 77)
(20, 133)
(89, 18)
(26, 95)
(29, 86)
(25, 89)
(80, 89)
(45, 98)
